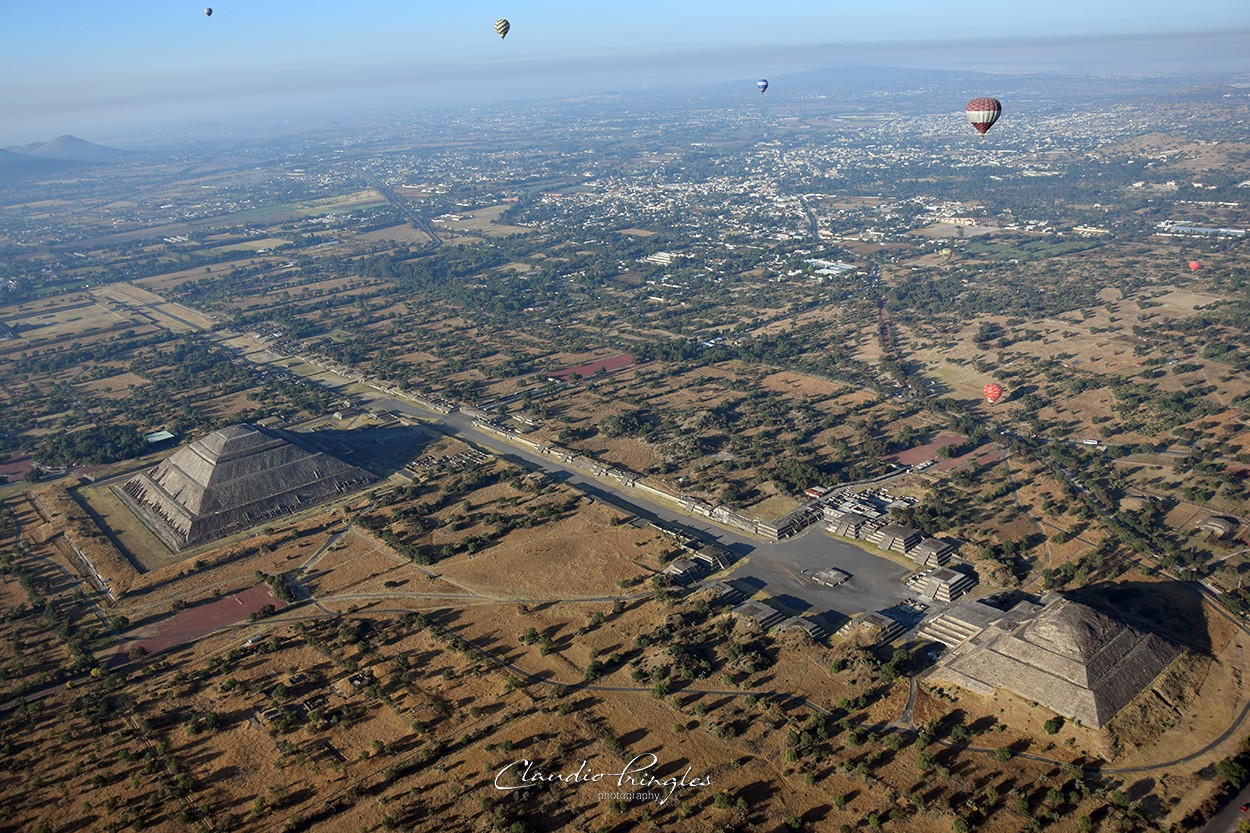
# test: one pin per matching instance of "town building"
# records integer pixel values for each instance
(848, 525)
(932, 552)
(726, 592)
(684, 571)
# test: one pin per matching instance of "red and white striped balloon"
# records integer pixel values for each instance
(983, 112)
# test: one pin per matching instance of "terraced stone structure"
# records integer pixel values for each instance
(233, 479)
(1068, 657)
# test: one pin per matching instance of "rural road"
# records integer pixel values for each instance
(1226, 820)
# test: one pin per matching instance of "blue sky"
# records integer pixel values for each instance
(84, 66)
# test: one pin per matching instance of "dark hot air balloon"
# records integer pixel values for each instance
(993, 392)
(1194, 266)
(763, 85)
(209, 11)
(983, 112)
(501, 27)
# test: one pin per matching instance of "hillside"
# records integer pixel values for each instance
(11, 162)
(73, 149)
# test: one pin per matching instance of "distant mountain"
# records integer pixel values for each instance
(73, 149)
(23, 163)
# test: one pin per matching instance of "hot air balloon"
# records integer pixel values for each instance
(763, 85)
(209, 11)
(983, 112)
(993, 392)
(1194, 266)
(501, 27)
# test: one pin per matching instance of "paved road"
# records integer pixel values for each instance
(1226, 820)
(782, 569)
(406, 209)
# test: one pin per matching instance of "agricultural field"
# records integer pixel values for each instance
(367, 198)
(84, 381)
(478, 223)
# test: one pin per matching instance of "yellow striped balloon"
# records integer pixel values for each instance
(502, 26)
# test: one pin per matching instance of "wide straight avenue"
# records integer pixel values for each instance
(781, 569)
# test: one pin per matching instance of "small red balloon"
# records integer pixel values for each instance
(993, 392)
(1194, 266)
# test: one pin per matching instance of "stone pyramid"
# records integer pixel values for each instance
(233, 479)
(1074, 660)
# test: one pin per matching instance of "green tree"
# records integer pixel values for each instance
(1232, 771)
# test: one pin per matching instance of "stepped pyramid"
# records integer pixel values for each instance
(1074, 660)
(233, 479)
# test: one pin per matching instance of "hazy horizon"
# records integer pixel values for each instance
(126, 103)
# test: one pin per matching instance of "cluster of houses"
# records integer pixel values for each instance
(277, 712)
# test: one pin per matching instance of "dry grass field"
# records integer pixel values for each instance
(171, 316)
(399, 235)
(117, 386)
(584, 555)
(340, 203)
(167, 285)
(483, 222)
(262, 244)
